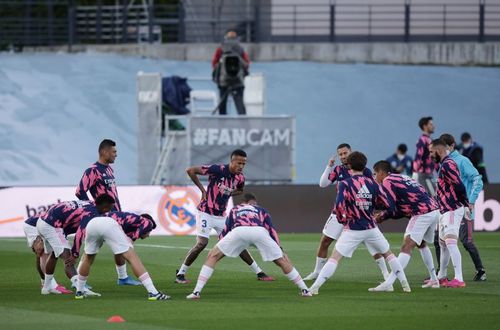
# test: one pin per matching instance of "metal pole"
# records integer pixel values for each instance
(407, 21)
(481, 21)
(50, 22)
(124, 21)
(332, 23)
(71, 24)
(98, 29)
(27, 22)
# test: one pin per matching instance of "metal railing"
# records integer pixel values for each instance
(55, 22)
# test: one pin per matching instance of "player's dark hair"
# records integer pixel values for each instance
(238, 152)
(105, 144)
(150, 218)
(344, 145)
(104, 200)
(448, 139)
(249, 197)
(424, 121)
(465, 137)
(403, 148)
(438, 142)
(382, 165)
(357, 160)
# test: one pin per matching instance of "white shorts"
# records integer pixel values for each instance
(422, 227)
(54, 239)
(242, 237)
(333, 228)
(205, 222)
(31, 233)
(350, 239)
(106, 229)
(449, 223)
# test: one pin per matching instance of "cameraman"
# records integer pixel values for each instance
(230, 66)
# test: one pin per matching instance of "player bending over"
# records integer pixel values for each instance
(248, 224)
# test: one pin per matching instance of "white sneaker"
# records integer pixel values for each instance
(193, 296)
(311, 276)
(314, 291)
(305, 293)
(406, 286)
(382, 288)
(431, 284)
(49, 291)
(90, 293)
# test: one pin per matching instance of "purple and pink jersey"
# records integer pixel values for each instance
(249, 216)
(451, 192)
(221, 183)
(423, 163)
(33, 220)
(342, 172)
(98, 179)
(68, 215)
(357, 198)
(133, 224)
(407, 198)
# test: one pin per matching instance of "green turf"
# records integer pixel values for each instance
(233, 299)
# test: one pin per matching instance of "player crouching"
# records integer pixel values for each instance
(118, 230)
(248, 224)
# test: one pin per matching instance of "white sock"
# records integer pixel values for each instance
(255, 268)
(205, 274)
(121, 271)
(80, 283)
(74, 280)
(326, 272)
(47, 283)
(383, 267)
(396, 267)
(54, 283)
(426, 254)
(320, 262)
(456, 257)
(445, 260)
(148, 283)
(403, 259)
(183, 270)
(295, 277)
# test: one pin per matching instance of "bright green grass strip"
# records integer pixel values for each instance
(233, 299)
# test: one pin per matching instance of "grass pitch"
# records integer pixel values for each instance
(234, 299)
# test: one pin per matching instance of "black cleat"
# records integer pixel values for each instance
(480, 276)
(181, 278)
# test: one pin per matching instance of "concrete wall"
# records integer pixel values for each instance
(389, 53)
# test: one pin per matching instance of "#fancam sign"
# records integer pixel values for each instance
(172, 207)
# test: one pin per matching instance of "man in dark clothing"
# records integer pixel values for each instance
(474, 152)
(230, 66)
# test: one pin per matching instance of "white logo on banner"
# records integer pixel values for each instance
(148, 96)
(241, 137)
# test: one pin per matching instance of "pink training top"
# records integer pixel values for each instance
(357, 198)
(250, 216)
(98, 179)
(450, 192)
(221, 183)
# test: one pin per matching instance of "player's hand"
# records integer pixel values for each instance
(203, 196)
(378, 216)
(331, 161)
(468, 213)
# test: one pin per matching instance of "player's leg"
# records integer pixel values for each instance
(465, 236)
(403, 259)
(331, 231)
(121, 271)
(237, 94)
(84, 266)
(250, 261)
(206, 272)
(380, 261)
(452, 221)
(292, 274)
(204, 225)
(42, 257)
(328, 270)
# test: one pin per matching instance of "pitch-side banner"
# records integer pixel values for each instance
(268, 142)
(172, 207)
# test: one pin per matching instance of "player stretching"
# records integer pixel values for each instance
(473, 183)
(248, 224)
(117, 229)
(99, 179)
(452, 199)
(357, 197)
(408, 199)
(61, 220)
(35, 242)
(333, 229)
(224, 181)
